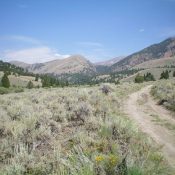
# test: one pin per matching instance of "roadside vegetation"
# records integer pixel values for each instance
(146, 77)
(164, 92)
(74, 131)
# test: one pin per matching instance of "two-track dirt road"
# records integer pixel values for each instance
(153, 120)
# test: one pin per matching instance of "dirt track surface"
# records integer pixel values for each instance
(153, 120)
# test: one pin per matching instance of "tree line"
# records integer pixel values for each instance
(46, 80)
(150, 77)
(71, 79)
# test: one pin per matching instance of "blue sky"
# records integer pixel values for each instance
(42, 30)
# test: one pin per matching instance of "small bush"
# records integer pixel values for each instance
(135, 171)
(5, 81)
(3, 90)
(30, 85)
(165, 93)
(106, 89)
(174, 74)
(164, 75)
(149, 77)
(18, 90)
(11, 90)
(139, 79)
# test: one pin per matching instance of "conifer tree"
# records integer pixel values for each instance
(30, 85)
(174, 74)
(37, 77)
(164, 75)
(149, 77)
(5, 81)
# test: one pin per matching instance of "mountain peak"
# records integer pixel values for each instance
(77, 57)
(73, 64)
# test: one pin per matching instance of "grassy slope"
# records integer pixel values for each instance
(155, 71)
(156, 67)
(21, 81)
(164, 91)
(156, 63)
(73, 131)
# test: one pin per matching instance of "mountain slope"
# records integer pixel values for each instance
(109, 62)
(163, 49)
(158, 63)
(19, 64)
(72, 64)
(18, 75)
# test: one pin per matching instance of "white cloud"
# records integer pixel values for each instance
(32, 50)
(141, 30)
(33, 55)
(61, 56)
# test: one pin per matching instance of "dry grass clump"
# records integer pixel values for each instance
(77, 131)
(164, 91)
(106, 88)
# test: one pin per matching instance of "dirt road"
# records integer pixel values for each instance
(154, 120)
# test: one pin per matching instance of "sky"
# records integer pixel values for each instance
(42, 30)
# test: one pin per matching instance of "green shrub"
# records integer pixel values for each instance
(149, 77)
(30, 85)
(18, 90)
(164, 75)
(11, 90)
(165, 93)
(4, 90)
(135, 171)
(5, 81)
(174, 74)
(139, 79)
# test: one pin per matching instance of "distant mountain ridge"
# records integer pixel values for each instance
(163, 49)
(109, 62)
(79, 64)
(72, 64)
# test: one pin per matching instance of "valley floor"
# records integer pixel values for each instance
(154, 120)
